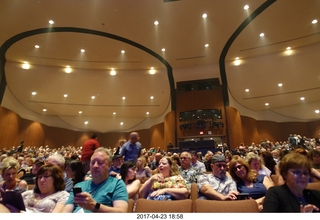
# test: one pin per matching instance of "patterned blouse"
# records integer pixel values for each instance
(45, 205)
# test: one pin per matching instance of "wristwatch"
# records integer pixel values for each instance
(96, 207)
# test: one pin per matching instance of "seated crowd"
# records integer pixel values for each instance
(54, 180)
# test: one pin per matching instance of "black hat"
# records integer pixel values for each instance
(218, 158)
(117, 156)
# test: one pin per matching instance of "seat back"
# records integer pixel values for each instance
(194, 192)
(237, 206)
(156, 206)
(314, 185)
(130, 205)
(275, 179)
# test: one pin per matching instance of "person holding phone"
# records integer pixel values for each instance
(49, 195)
(102, 193)
(248, 180)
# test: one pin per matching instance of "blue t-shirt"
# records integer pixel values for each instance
(257, 191)
(105, 193)
(131, 151)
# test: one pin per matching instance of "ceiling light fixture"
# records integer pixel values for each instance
(266, 104)
(86, 122)
(123, 98)
(156, 22)
(68, 69)
(114, 113)
(314, 21)
(246, 7)
(237, 62)
(317, 111)
(163, 49)
(302, 98)
(34, 93)
(51, 22)
(80, 112)
(288, 48)
(206, 45)
(113, 72)
(93, 97)
(65, 95)
(122, 51)
(147, 113)
(280, 84)
(151, 97)
(152, 71)
(44, 110)
(37, 46)
(262, 34)
(83, 50)
(121, 123)
(26, 66)
(204, 15)
(247, 90)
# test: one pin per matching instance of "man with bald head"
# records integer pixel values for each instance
(131, 150)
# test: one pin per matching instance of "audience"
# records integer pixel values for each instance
(143, 171)
(256, 164)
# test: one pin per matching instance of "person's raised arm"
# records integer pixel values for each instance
(133, 188)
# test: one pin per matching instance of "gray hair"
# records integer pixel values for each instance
(58, 160)
(107, 151)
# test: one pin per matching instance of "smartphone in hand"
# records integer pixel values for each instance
(243, 196)
(77, 190)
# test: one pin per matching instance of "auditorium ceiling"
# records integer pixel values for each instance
(112, 66)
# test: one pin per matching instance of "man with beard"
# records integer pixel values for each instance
(101, 193)
(217, 186)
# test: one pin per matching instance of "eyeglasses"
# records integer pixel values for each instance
(297, 173)
(45, 177)
(239, 167)
(221, 165)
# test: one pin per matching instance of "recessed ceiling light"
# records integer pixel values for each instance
(44, 110)
(317, 111)
(93, 97)
(114, 113)
(51, 22)
(121, 123)
(156, 22)
(280, 84)
(26, 66)
(34, 93)
(37, 46)
(113, 72)
(80, 112)
(68, 69)
(267, 104)
(262, 34)
(163, 49)
(86, 122)
(152, 71)
(206, 45)
(83, 50)
(65, 95)
(147, 113)
(302, 98)
(204, 15)
(237, 62)
(246, 7)
(123, 98)
(288, 48)
(122, 51)
(247, 90)
(314, 21)
(151, 97)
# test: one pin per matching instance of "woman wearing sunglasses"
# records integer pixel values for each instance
(248, 180)
(293, 196)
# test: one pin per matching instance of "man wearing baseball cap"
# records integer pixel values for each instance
(217, 185)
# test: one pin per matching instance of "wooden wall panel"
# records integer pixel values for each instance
(33, 133)
(314, 129)
(250, 130)
(111, 140)
(300, 128)
(157, 137)
(9, 128)
(170, 128)
(57, 137)
(269, 130)
(234, 127)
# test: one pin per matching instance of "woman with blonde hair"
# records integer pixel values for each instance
(143, 171)
(256, 164)
(9, 170)
(168, 184)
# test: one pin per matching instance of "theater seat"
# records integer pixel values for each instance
(155, 206)
(194, 192)
(315, 186)
(130, 205)
(237, 206)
